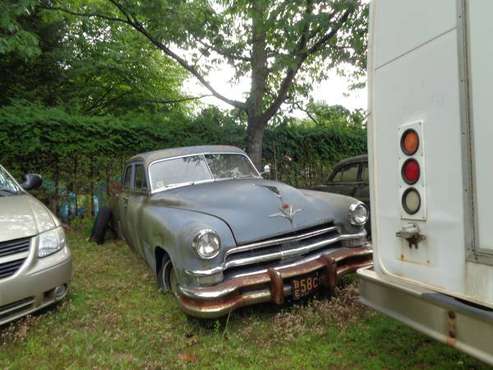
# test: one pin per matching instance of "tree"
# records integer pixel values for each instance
(282, 45)
(334, 115)
(88, 65)
(13, 38)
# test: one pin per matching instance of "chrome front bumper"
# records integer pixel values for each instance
(33, 286)
(273, 284)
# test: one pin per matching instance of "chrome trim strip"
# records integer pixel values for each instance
(277, 255)
(261, 293)
(270, 242)
(290, 252)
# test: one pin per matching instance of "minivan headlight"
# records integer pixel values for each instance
(51, 242)
(358, 214)
(207, 244)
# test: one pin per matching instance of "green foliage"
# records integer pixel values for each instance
(75, 152)
(303, 153)
(90, 66)
(13, 37)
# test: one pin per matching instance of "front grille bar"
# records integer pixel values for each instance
(282, 254)
(289, 239)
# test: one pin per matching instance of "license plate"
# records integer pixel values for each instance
(301, 287)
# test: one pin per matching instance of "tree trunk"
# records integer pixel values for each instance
(255, 138)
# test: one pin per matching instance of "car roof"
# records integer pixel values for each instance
(351, 160)
(149, 157)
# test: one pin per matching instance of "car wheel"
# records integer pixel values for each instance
(101, 224)
(167, 277)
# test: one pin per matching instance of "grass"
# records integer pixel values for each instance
(115, 317)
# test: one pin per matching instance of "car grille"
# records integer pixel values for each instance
(13, 248)
(15, 308)
(283, 249)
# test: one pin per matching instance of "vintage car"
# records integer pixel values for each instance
(219, 236)
(350, 177)
(35, 261)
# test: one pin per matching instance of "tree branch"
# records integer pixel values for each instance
(133, 22)
(300, 57)
(224, 53)
(307, 112)
(302, 54)
(88, 15)
(174, 101)
(333, 31)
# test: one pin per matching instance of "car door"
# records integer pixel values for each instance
(363, 188)
(136, 198)
(344, 180)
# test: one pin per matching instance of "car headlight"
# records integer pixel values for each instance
(358, 214)
(207, 244)
(51, 242)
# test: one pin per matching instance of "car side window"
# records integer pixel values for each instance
(127, 178)
(364, 172)
(347, 174)
(140, 178)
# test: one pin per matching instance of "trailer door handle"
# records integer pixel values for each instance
(411, 233)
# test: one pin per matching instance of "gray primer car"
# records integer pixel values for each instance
(220, 236)
(35, 261)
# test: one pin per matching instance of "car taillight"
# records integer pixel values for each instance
(410, 142)
(411, 171)
(411, 201)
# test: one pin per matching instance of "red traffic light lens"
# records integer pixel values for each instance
(411, 171)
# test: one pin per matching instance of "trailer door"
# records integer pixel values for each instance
(480, 31)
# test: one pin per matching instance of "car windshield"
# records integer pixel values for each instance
(7, 184)
(199, 168)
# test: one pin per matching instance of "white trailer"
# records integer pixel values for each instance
(430, 136)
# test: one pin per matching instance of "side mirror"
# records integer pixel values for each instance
(31, 181)
(266, 170)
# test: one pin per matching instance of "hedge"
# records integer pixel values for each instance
(77, 153)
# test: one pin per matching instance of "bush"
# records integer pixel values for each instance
(83, 154)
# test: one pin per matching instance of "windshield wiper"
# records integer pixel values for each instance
(178, 185)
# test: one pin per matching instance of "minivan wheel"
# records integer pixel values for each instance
(101, 225)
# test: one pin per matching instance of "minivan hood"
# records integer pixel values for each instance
(23, 216)
(250, 207)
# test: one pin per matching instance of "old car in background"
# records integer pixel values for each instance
(350, 177)
(35, 261)
(219, 236)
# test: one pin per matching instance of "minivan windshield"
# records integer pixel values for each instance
(198, 168)
(7, 184)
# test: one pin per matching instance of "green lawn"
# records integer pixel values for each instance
(115, 317)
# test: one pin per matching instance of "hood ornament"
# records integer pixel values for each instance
(287, 211)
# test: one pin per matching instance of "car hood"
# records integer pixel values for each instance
(254, 209)
(23, 216)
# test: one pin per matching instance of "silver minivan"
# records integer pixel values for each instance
(35, 261)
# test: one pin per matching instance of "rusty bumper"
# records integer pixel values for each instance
(273, 284)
